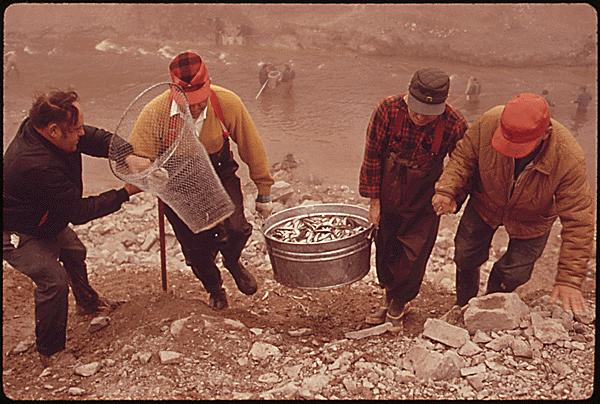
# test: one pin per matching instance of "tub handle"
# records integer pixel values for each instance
(372, 233)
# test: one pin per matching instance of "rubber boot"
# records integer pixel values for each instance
(395, 315)
(378, 317)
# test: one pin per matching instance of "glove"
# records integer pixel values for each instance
(264, 206)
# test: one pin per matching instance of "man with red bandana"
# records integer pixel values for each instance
(219, 115)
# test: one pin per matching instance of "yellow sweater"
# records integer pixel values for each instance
(237, 121)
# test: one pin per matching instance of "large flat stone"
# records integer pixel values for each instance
(445, 333)
(494, 312)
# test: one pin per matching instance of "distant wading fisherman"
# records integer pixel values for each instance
(288, 74)
(42, 194)
(219, 115)
(407, 139)
(267, 72)
(287, 78)
(473, 90)
(246, 33)
(263, 73)
(219, 31)
(583, 99)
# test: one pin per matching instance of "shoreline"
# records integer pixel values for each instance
(533, 35)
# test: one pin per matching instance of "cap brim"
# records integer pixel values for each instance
(509, 149)
(196, 97)
(423, 108)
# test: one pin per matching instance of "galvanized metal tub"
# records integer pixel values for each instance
(321, 265)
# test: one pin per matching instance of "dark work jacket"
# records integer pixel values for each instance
(288, 75)
(43, 188)
(263, 76)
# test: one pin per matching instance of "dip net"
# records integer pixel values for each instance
(158, 125)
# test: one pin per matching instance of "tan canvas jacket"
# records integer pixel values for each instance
(554, 185)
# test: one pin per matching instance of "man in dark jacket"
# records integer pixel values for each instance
(288, 74)
(42, 194)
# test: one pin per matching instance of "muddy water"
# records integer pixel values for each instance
(322, 122)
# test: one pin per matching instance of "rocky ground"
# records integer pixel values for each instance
(286, 343)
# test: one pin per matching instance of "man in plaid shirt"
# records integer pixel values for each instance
(407, 139)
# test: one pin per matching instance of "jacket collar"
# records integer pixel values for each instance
(30, 131)
(546, 158)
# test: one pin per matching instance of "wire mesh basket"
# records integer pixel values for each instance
(158, 125)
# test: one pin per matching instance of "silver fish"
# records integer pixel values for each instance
(316, 229)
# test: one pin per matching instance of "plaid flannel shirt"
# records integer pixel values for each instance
(410, 142)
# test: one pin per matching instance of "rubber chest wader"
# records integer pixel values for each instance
(408, 225)
(228, 237)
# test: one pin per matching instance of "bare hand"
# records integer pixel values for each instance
(264, 209)
(131, 189)
(571, 299)
(137, 164)
(443, 204)
(374, 212)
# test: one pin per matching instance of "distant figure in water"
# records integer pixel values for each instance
(288, 74)
(582, 100)
(580, 118)
(246, 32)
(10, 63)
(219, 27)
(263, 73)
(546, 96)
(269, 73)
(287, 78)
(473, 90)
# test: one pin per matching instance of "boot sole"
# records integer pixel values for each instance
(376, 320)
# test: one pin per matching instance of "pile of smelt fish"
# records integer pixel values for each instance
(316, 228)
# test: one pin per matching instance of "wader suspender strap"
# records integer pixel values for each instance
(438, 132)
(172, 132)
(217, 107)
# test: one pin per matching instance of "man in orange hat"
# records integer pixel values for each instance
(219, 115)
(522, 170)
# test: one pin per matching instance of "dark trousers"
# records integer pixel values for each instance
(472, 244)
(53, 264)
(403, 246)
(228, 237)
